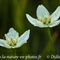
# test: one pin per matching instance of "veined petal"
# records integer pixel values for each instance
(55, 23)
(12, 33)
(23, 38)
(30, 19)
(41, 11)
(40, 24)
(3, 43)
(56, 14)
(35, 22)
(19, 44)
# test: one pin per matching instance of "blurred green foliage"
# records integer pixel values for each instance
(13, 14)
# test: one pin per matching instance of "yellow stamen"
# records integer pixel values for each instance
(46, 20)
(12, 42)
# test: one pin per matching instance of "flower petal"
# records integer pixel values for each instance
(40, 24)
(30, 19)
(4, 44)
(55, 23)
(41, 11)
(56, 14)
(35, 22)
(12, 33)
(23, 38)
(19, 44)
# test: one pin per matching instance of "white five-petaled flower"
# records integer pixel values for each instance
(44, 19)
(13, 40)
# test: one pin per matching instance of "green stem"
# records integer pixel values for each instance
(10, 53)
(50, 45)
(50, 39)
(14, 53)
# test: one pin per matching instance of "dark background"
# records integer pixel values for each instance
(13, 14)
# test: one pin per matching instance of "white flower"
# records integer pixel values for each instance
(13, 40)
(44, 19)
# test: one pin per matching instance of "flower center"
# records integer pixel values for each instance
(45, 19)
(12, 42)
